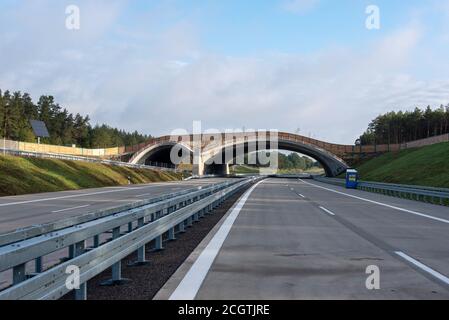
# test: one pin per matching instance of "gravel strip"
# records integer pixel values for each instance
(146, 281)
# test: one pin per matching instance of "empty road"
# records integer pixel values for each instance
(26, 210)
(300, 239)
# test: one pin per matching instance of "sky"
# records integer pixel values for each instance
(302, 66)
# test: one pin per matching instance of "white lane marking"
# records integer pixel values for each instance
(73, 208)
(423, 267)
(327, 211)
(77, 195)
(192, 281)
(382, 204)
(301, 195)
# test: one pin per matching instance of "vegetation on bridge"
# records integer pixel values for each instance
(427, 166)
(20, 175)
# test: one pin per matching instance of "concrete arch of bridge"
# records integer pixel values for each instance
(159, 153)
(332, 165)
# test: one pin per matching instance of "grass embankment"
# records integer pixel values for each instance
(426, 166)
(33, 175)
(314, 170)
(243, 169)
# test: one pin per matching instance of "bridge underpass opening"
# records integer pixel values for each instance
(252, 164)
(331, 164)
(160, 156)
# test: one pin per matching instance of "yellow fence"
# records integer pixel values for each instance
(46, 148)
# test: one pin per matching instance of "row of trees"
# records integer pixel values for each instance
(399, 127)
(295, 161)
(16, 109)
(285, 162)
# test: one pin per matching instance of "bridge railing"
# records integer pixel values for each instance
(144, 224)
(419, 193)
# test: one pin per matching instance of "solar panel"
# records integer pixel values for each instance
(39, 129)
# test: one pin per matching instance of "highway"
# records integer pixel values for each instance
(301, 239)
(26, 210)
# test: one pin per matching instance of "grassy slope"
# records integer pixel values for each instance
(32, 175)
(427, 166)
(243, 169)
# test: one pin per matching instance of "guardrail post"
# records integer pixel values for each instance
(196, 217)
(130, 227)
(141, 259)
(182, 227)
(81, 293)
(116, 267)
(189, 222)
(171, 234)
(96, 241)
(38, 265)
(18, 274)
(158, 243)
(71, 251)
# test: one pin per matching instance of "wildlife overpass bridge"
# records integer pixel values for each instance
(207, 150)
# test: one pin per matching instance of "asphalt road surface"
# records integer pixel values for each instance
(26, 210)
(300, 239)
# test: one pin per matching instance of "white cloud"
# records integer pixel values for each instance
(158, 81)
(300, 6)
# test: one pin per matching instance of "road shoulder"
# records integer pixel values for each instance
(170, 286)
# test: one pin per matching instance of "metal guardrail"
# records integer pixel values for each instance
(145, 224)
(85, 159)
(419, 193)
(37, 230)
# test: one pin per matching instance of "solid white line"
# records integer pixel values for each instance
(327, 211)
(381, 204)
(422, 266)
(68, 209)
(191, 283)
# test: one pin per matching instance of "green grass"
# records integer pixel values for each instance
(33, 175)
(426, 166)
(243, 169)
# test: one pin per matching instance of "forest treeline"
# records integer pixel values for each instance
(295, 161)
(285, 161)
(400, 127)
(16, 109)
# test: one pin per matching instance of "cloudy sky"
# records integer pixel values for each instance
(308, 66)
